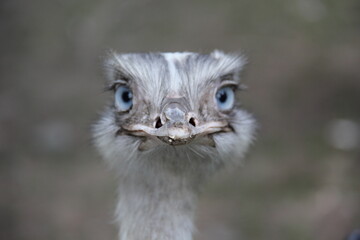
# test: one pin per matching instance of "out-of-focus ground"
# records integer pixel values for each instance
(301, 180)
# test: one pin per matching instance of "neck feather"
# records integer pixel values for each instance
(156, 203)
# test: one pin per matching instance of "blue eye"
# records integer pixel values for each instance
(123, 98)
(225, 98)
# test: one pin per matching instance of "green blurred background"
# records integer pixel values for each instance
(301, 180)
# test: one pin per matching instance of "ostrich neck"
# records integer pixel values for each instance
(157, 203)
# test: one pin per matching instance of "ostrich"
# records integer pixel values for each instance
(173, 122)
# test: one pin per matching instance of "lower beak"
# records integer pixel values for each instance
(174, 135)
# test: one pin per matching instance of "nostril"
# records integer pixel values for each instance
(192, 121)
(158, 123)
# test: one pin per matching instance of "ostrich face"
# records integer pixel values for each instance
(167, 100)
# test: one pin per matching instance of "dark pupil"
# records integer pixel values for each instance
(126, 96)
(222, 96)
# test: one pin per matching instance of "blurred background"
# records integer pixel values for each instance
(301, 179)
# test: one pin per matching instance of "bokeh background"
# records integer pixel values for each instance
(301, 180)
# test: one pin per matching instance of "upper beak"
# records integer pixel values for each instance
(178, 125)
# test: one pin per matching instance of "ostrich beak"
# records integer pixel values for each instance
(177, 135)
(177, 125)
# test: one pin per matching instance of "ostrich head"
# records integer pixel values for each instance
(173, 104)
(173, 120)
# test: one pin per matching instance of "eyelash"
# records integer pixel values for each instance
(230, 84)
(115, 85)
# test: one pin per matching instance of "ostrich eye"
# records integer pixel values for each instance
(225, 98)
(123, 98)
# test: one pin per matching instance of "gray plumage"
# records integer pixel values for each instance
(171, 125)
